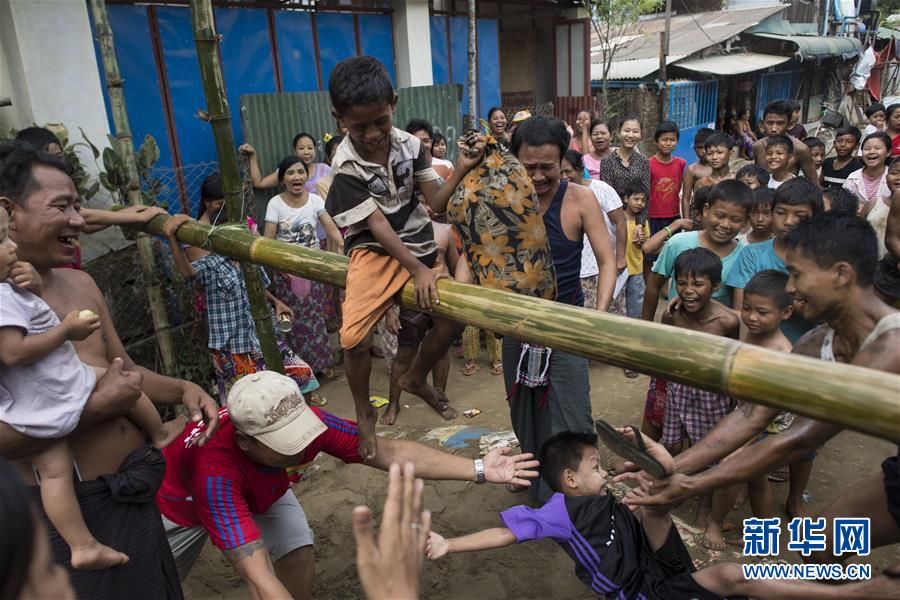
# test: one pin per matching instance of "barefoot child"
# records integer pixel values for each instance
(778, 153)
(616, 554)
(390, 238)
(414, 326)
(766, 304)
(49, 389)
(696, 171)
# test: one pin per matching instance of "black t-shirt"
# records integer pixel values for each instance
(835, 179)
(611, 553)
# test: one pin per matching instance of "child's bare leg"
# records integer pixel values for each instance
(761, 500)
(61, 505)
(160, 434)
(656, 523)
(435, 345)
(441, 372)
(722, 502)
(800, 472)
(358, 364)
(704, 505)
(728, 580)
(404, 358)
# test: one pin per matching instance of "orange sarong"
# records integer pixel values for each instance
(372, 282)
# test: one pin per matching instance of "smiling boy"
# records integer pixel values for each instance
(778, 154)
(836, 169)
(717, 151)
(776, 116)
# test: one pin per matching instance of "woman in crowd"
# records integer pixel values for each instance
(304, 146)
(293, 216)
(601, 146)
(438, 146)
(581, 133)
(497, 124)
(625, 164)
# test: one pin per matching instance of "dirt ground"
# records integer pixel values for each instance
(331, 490)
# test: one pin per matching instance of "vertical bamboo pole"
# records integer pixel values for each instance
(473, 70)
(125, 149)
(219, 117)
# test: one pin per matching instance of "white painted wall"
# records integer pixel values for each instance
(49, 69)
(412, 43)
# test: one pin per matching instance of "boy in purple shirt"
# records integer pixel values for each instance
(617, 554)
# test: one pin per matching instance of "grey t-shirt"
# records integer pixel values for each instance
(45, 398)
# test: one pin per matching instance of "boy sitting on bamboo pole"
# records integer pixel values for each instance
(390, 238)
(618, 554)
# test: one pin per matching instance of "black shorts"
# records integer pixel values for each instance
(668, 572)
(891, 469)
(413, 327)
(887, 278)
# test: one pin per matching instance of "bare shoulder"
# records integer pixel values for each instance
(810, 343)
(580, 193)
(76, 278)
(799, 146)
(881, 354)
(728, 320)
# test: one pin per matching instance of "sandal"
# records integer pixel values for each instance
(470, 368)
(619, 444)
(630, 374)
(497, 368)
(325, 375)
(313, 399)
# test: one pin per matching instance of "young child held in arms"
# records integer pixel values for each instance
(617, 554)
(778, 153)
(390, 238)
(765, 306)
(36, 348)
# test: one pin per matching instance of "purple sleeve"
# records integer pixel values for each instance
(549, 521)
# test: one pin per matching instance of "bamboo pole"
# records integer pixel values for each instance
(219, 116)
(861, 399)
(472, 68)
(125, 149)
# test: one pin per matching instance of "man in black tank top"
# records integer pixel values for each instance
(866, 333)
(549, 390)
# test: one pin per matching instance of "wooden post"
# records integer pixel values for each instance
(219, 117)
(861, 399)
(125, 149)
(473, 69)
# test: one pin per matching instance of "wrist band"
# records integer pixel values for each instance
(479, 471)
(668, 232)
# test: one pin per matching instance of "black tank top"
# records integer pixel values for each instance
(566, 253)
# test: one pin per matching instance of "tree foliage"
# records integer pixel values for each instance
(611, 21)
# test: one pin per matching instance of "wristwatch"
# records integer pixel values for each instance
(479, 471)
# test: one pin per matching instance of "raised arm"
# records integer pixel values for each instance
(658, 239)
(267, 182)
(438, 196)
(486, 539)
(181, 262)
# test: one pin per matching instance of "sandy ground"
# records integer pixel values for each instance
(537, 570)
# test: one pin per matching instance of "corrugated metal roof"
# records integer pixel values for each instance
(732, 64)
(688, 33)
(270, 121)
(817, 46)
(631, 69)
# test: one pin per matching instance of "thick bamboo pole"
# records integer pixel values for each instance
(219, 116)
(125, 149)
(861, 399)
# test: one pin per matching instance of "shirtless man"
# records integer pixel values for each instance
(776, 117)
(43, 205)
(560, 399)
(831, 259)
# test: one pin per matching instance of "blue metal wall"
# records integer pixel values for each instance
(449, 58)
(163, 93)
(776, 86)
(692, 105)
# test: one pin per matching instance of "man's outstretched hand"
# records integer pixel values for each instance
(201, 407)
(650, 491)
(501, 466)
(389, 567)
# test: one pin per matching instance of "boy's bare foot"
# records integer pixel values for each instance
(434, 397)
(795, 508)
(712, 537)
(169, 431)
(367, 441)
(96, 556)
(390, 415)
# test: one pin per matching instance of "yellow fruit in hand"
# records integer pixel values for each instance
(86, 314)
